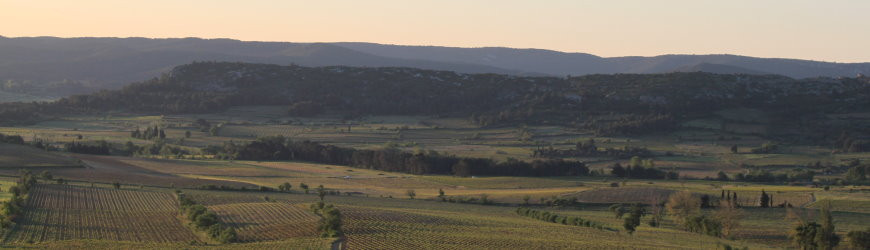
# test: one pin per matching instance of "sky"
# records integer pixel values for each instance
(825, 30)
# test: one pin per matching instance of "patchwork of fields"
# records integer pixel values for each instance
(377, 210)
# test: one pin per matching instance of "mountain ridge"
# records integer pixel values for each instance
(54, 67)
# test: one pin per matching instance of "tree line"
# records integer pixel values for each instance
(589, 149)
(203, 219)
(12, 139)
(561, 219)
(639, 168)
(149, 133)
(13, 208)
(607, 104)
(391, 159)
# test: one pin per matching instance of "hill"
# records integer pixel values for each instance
(605, 104)
(718, 69)
(37, 68)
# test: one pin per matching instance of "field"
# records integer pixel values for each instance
(65, 212)
(376, 223)
(88, 212)
(267, 221)
(17, 156)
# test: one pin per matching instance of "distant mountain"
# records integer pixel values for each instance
(719, 69)
(47, 66)
(562, 63)
(50, 67)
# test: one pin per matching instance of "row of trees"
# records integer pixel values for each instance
(392, 159)
(556, 218)
(589, 149)
(642, 169)
(205, 220)
(14, 207)
(98, 148)
(13, 139)
(761, 175)
(149, 133)
(687, 211)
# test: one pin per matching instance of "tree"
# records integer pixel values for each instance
(734, 200)
(803, 235)
(733, 149)
(46, 175)
(304, 186)
(411, 193)
(187, 134)
(812, 235)
(484, 199)
(330, 226)
(705, 201)
(633, 220)
(227, 235)
(729, 217)
(618, 171)
(857, 174)
(765, 200)
(462, 168)
(657, 212)
(526, 199)
(618, 210)
(703, 224)
(321, 192)
(214, 130)
(826, 237)
(285, 187)
(682, 205)
(722, 176)
(117, 185)
(859, 239)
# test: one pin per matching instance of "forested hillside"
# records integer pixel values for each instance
(606, 104)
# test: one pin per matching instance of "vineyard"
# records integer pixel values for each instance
(624, 195)
(377, 228)
(65, 212)
(267, 221)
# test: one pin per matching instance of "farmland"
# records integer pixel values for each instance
(266, 221)
(377, 211)
(64, 212)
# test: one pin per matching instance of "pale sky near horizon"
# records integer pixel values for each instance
(830, 30)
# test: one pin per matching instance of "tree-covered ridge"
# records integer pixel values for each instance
(607, 104)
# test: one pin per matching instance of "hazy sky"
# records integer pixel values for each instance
(829, 30)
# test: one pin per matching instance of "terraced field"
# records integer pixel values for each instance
(65, 212)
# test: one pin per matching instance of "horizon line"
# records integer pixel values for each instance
(439, 46)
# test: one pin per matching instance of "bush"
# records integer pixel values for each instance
(859, 239)
(704, 225)
(330, 225)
